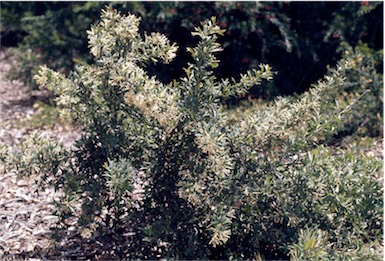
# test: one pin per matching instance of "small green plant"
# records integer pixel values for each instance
(210, 186)
(313, 245)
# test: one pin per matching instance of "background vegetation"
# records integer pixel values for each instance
(299, 40)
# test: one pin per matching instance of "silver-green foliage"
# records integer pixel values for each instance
(252, 182)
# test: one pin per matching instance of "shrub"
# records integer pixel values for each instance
(365, 75)
(162, 165)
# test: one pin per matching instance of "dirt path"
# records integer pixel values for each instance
(25, 217)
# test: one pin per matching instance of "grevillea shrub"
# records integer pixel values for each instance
(164, 167)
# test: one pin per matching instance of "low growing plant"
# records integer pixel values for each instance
(164, 162)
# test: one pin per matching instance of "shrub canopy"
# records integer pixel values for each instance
(165, 162)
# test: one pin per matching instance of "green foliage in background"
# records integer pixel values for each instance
(165, 166)
(299, 39)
